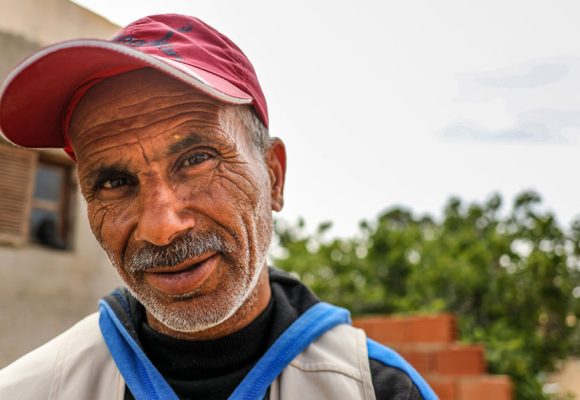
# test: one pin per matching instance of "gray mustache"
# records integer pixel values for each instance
(181, 249)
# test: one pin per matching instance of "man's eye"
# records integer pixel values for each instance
(114, 183)
(196, 158)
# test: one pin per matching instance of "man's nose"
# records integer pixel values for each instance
(162, 217)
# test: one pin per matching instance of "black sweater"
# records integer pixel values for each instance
(212, 369)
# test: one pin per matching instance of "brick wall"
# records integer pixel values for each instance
(455, 371)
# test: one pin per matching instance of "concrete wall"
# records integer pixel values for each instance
(14, 49)
(48, 21)
(44, 291)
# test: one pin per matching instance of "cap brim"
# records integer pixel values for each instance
(34, 95)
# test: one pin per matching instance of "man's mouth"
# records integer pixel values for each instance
(184, 278)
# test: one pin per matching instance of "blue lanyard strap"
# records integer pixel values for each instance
(307, 328)
(145, 382)
(142, 378)
(390, 357)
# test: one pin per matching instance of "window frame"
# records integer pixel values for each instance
(65, 205)
(16, 231)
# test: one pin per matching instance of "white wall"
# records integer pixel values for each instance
(49, 21)
(44, 291)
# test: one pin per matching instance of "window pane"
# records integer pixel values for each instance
(38, 217)
(48, 183)
(45, 228)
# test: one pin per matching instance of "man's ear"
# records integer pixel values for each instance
(276, 160)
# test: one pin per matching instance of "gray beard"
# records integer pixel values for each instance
(203, 316)
(207, 313)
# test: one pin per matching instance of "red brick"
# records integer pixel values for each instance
(496, 387)
(383, 329)
(423, 329)
(431, 329)
(454, 371)
(444, 387)
(421, 360)
(459, 359)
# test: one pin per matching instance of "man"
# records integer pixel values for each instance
(168, 125)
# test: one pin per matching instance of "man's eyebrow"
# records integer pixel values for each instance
(186, 142)
(103, 173)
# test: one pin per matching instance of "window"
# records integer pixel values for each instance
(35, 198)
(48, 218)
(16, 178)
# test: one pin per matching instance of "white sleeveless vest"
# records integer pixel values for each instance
(77, 365)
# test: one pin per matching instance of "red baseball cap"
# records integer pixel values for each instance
(37, 94)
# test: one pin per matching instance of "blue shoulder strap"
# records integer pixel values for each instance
(145, 382)
(307, 328)
(142, 378)
(391, 358)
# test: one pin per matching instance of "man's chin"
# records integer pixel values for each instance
(191, 312)
(201, 307)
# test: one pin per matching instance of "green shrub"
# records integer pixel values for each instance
(508, 276)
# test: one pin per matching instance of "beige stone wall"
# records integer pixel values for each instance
(48, 21)
(14, 49)
(44, 291)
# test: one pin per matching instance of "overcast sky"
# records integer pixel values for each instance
(408, 102)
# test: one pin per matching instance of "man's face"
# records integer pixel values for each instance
(179, 198)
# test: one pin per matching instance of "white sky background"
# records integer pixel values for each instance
(408, 102)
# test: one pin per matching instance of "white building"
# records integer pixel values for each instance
(52, 271)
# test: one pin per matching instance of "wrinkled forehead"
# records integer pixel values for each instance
(146, 104)
(136, 92)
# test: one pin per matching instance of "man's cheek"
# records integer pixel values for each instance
(106, 224)
(238, 185)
